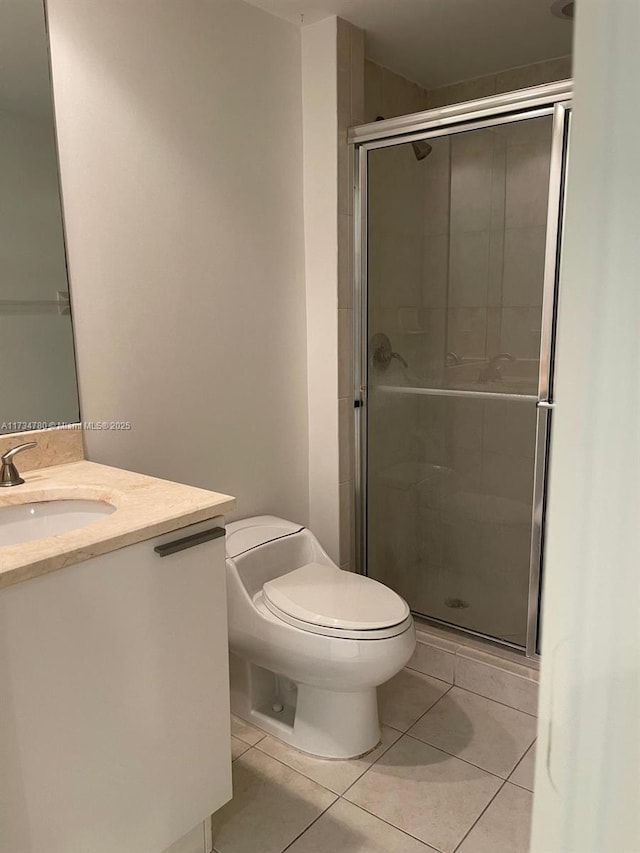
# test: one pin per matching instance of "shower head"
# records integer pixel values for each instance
(421, 149)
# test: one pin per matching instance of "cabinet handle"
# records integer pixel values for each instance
(189, 541)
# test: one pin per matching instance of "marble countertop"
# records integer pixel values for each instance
(145, 507)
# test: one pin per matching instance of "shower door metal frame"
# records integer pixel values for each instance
(553, 99)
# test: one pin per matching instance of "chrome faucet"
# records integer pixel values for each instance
(9, 475)
(491, 372)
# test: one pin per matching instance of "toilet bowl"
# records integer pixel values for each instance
(309, 643)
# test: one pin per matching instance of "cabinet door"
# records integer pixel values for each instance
(114, 701)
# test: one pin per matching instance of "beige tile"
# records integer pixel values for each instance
(406, 697)
(345, 352)
(478, 730)
(534, 75)
(467, 329)
(430, 660)
(435, 270)
(270, 802)
(337, 776)
(243, 731)
(523, 273)
(524, 773)
(520, 331)
(345, 173)
(345, 828)
(425, 792)
(527, 181)
(343, 50)
(467, 90)
(505, 826)
(345, 264)
(372, 106)
(471, 185)
(346, 528)
(469, 269)
(346, 427)
(516, 691)
(238, 747)
(357, 75)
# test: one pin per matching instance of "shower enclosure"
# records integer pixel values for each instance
(457, 259)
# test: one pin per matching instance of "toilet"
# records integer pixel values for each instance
(309, 643)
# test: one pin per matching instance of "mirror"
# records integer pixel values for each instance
(38, 386)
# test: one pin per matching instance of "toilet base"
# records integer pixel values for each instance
(324, 723)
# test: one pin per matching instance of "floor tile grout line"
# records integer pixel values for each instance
(373, 763)
(315, 820)
(523, 757)
(497, 701)
(247, 742)
(388, 823)
(466, 761)
(430, 708)
(468, 832)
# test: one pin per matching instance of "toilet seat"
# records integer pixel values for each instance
(326, 600)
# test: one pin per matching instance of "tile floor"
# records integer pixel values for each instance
(454, 772)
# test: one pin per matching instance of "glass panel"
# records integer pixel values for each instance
(456, 244)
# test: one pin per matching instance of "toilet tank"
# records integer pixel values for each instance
(266, 547)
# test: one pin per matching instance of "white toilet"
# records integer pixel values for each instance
(309, 642)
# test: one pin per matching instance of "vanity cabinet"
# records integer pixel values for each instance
(114, 701)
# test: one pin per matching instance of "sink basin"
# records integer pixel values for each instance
(29, 521)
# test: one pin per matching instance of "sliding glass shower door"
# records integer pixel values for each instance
(460, 245)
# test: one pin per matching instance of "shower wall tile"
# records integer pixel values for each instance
(509, 428)
(471, 182)
(346, 524)
(469, 269)
(435, 271)
(343, 55)
(524, 251)
(345, 260)
(504, 81)
(507, 476)
(466, 423)
(346, 438)
(372, 90)
(345, 349)
(494, 332)
(357, 76)
(436, 186)
(467, 90)
(400, 96)
(534, 75)
(496, 267)
(498, 180)
(467, 332)
(527, 179)
(350, 80)
(520, 332)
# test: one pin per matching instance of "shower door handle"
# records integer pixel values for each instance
(545, 404)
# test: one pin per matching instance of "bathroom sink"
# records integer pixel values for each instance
(29, 521)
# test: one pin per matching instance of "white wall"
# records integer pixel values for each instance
(181, 156)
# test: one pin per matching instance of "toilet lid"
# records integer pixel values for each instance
(330, 597)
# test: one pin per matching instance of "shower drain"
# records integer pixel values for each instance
(456, 603)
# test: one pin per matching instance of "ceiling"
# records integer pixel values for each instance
(436, 42)
(24, 60)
